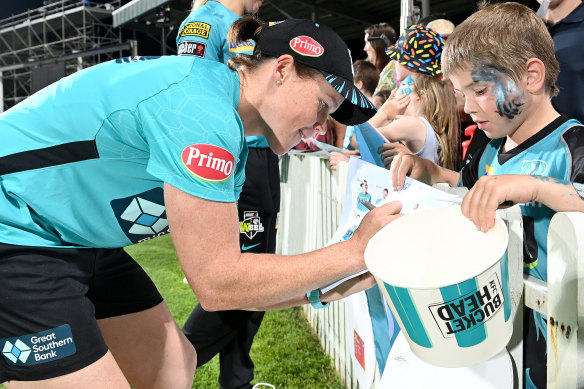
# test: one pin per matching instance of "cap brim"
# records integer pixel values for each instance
(356, 108)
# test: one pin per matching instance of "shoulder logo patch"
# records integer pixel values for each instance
(199, 29)
(192, 48)
(208, 163)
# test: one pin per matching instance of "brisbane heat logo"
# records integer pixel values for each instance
(208, 163)
(305, 45)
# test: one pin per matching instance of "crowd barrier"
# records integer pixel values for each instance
(311, 206)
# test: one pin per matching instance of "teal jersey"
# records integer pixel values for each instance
(553, 152)
(83, 161)
(204, 34)
(364, 196)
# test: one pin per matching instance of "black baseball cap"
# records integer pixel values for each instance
(318, 46)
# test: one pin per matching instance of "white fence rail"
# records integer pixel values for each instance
(312, 198)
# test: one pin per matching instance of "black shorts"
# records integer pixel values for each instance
(50, 299)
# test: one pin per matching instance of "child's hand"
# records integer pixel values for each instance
(390, 150)
(335, 158)
(490, 192)
(395, 105)
(408, 165)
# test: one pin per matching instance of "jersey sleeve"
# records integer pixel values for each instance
(198, 36)
(574, 139)
(196, 145)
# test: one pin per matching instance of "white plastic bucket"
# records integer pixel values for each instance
(447, 284)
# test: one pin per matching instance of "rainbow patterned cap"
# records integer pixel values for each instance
(420, 49)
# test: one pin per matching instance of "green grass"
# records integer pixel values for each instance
(286, 351)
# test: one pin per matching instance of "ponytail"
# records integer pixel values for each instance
(241, 30)
(245, 28)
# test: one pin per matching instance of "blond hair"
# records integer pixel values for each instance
(198, 4)
(503, 36)
(439, 108)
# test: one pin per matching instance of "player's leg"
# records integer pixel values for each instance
(150, 348)
(48, 333)
(137, 326)
(211, 332)
(102, 374)
(236, 368)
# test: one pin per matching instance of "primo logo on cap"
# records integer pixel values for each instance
(305, 45)
(44, 346)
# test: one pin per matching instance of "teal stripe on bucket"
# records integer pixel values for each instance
(475, 335)
(407, 312)
(505, 286)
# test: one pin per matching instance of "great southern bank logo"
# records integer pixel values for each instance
(142, 216)
(18, 351)
(41, 347)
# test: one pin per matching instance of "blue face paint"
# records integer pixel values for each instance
(406, 86)
(509, 97)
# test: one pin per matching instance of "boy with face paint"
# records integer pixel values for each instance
(501, 59)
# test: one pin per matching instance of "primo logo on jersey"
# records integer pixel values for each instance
(208, 163)
(142, 216)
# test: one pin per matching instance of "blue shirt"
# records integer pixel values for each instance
(204, 34)
(567, 35)
(85, 159)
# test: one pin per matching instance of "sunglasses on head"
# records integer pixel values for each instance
(381, 37)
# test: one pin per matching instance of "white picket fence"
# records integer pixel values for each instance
(311, 206)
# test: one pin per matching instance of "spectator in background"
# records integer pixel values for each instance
(377, 38)
(380, 97)
(429, 18)
(429, 126)
(444, 27)
(365, 79)
(502, 59)
(204, 34)
(565, 20)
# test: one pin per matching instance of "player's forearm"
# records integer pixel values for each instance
(269, 280)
